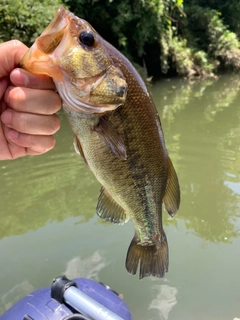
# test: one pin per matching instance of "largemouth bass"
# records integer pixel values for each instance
(117, 132)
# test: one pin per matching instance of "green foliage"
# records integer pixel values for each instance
(224, 44)
(181, 56)
(129, 25)
(151, 32)
(212, 36)
(201, 60)
(230, 11)
(25, 19)
(139, 28)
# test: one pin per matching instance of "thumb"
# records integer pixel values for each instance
(11, 52)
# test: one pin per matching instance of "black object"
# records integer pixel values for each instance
(59, 285)
(76, 317)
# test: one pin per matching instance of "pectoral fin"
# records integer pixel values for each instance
(78, 148)
(171, 198)
(112, 139)
(109, 210)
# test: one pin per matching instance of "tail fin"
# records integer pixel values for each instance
(153, 259)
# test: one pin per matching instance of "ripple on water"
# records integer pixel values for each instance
(53, 186)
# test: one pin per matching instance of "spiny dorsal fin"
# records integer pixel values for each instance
(109, 210)
(112, 139)
(78, 148)
(171, 198)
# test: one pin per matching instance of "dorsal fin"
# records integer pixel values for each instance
(111, 137)
(171, 197)
(109, 210)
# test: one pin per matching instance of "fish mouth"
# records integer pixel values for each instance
(39, 59)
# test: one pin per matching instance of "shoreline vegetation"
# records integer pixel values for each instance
(163, 38)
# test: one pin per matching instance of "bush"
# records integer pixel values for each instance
(213, 37)
(25, 19)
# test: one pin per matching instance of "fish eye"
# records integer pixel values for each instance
(87, 38)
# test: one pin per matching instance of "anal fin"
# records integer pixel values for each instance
(109, 210)
(171, 197)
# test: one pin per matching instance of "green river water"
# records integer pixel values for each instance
(48, 224)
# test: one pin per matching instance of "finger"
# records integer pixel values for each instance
(30, 152)
(23, 78)
(5, 153)
(33, 100)
(15, 152)
(8, 149)
(31, 123)
(3, 86)
(35, 144)
(11, 54)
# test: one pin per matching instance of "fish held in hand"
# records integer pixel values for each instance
(117, 132)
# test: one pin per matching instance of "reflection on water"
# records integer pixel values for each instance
(165, 300)
(86, 268)
(38, 190)
(15, 294)
(48, 222)
(202, 131)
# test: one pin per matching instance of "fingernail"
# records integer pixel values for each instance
(19, 78)
(6, 117)
(13, 135)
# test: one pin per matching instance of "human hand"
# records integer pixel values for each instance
(28, 104)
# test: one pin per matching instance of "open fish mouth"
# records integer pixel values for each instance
(39, 58)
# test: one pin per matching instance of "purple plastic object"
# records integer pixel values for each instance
(39, 305)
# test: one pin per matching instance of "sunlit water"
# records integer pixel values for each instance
(48, 224)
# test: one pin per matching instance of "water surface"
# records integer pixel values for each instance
(48, 224)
